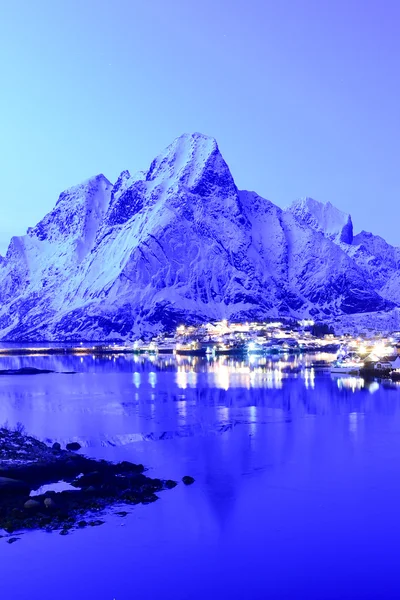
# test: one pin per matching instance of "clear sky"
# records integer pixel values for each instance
(303, 97)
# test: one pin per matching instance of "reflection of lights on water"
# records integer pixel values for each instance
(350, 383)
(136, 396)
(223, 412)
(309, 378)
(152, 379)
(182, 408)
(136, 379)
(244, 370)
(222, 378)
(226, 372)
(374, 387)
(253, 422)
(354, 421)
(181, 378)
(271, 378)
(192, 378)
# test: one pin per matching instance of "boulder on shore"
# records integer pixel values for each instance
(73, 446)
(32, 504)
(50, 504)
(28, 464)
(188, 480)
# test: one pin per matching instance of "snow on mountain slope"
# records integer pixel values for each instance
(369, 322)
(177, 243)
(325, 218)
(380, 262)
(39, 264)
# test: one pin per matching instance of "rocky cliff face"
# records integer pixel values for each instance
(327, 219)
(180, 243)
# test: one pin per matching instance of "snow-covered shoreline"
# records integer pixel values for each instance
(93, 486)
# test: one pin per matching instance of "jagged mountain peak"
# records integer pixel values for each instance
(121, 184)
(190, 168)
(78, 213)
(190, 160)
(367, 235)
(82, 190)
(179, 243)
(186, 151)
(324, 217)
(376, 246)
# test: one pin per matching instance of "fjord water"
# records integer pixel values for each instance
(297, 491)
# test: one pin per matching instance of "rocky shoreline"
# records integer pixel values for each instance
(27, 464)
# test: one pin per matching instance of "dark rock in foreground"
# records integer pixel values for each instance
(73, 446)
(26, 464)
(24, 371)
(32, 504)
(187, 480)
(11, 486)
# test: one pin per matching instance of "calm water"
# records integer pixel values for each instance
(297, 491)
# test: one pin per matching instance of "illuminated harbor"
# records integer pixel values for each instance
(245, 341)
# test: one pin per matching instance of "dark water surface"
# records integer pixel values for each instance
(297, 491)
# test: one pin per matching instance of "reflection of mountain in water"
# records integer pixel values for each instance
(237, 417)
(223, 366)
(189, 388)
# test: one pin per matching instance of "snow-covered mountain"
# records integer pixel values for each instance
(326, 218)
(180, 243)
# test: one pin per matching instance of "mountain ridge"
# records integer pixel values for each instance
(180, 243)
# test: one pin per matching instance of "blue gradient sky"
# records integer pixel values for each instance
(303, 97)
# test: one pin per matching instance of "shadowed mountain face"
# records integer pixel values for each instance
(180, 243)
